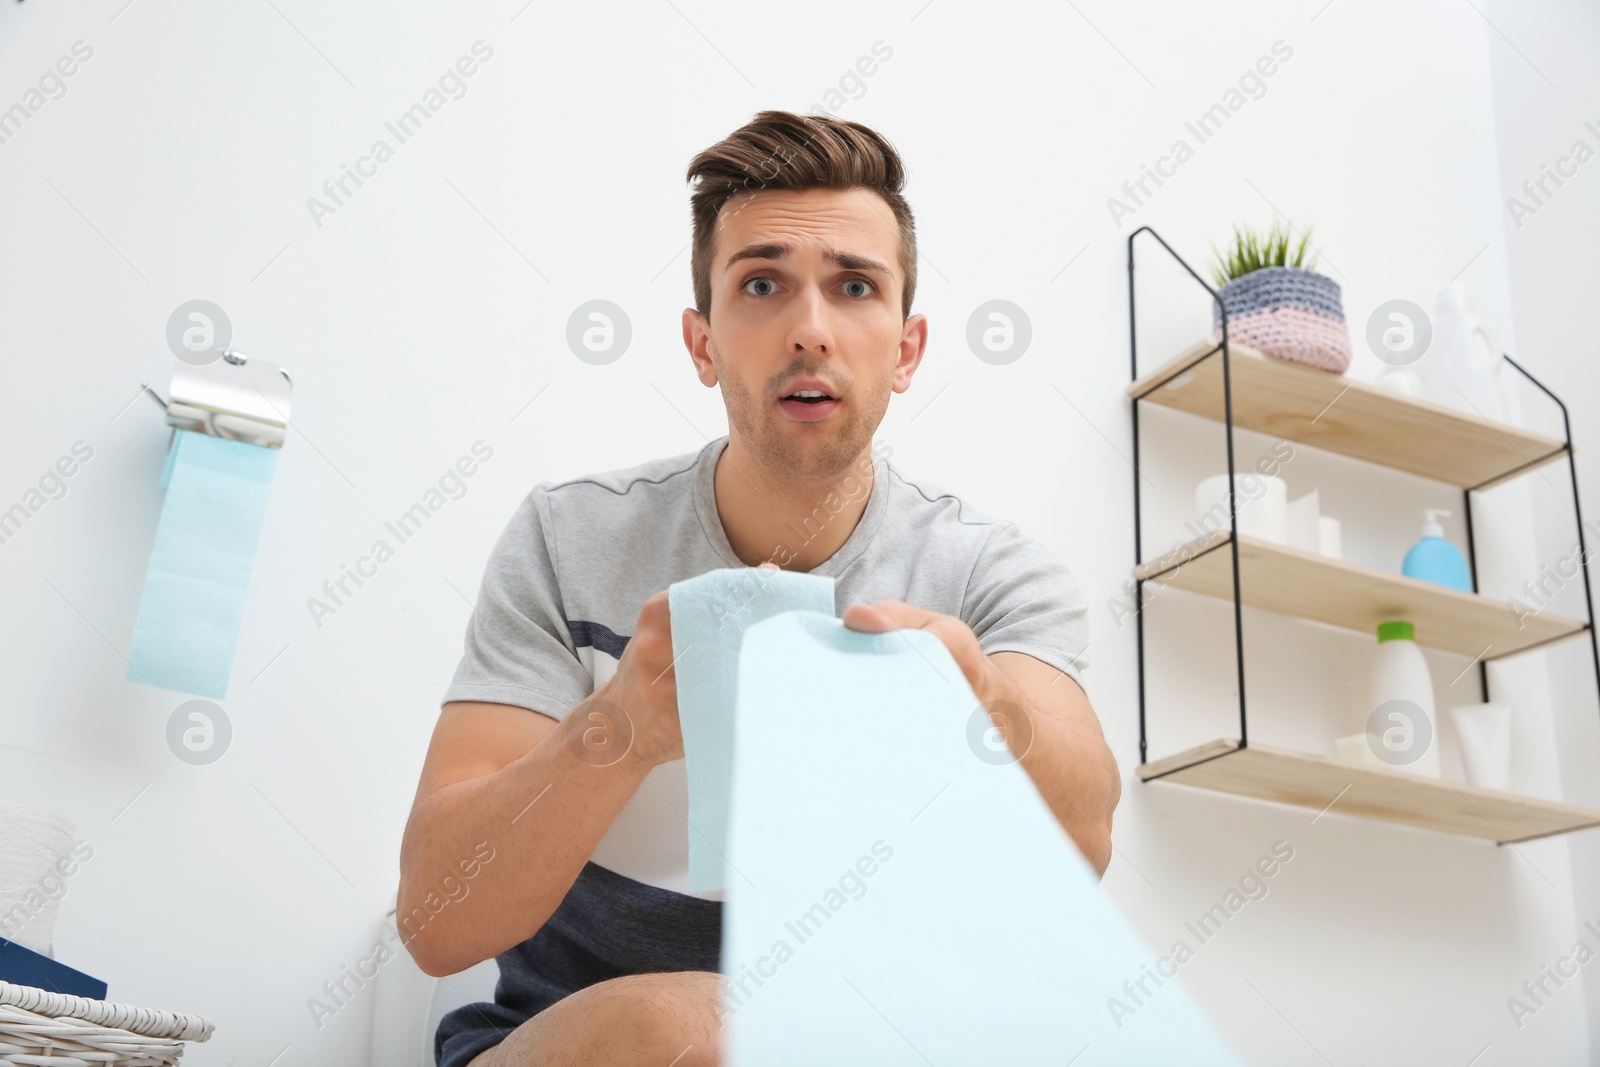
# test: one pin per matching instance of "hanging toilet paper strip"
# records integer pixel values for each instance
(909, 900)
(205, 546)
(710, 614)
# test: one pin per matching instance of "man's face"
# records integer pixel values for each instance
(805, 296)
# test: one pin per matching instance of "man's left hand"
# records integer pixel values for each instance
(884, 615)
(1051, 728)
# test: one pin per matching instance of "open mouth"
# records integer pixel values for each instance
(808, 405)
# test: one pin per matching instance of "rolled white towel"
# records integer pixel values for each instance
(32, 842)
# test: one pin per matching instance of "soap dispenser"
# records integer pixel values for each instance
(1433, 559)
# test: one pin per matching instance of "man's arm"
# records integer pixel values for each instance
(511, 778)
(1066, 755)
(540, 792)
(1064, 749)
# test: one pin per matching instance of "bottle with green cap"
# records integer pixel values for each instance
(1401, 725)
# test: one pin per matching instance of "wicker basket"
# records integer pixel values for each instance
(1287, 312)
(44, 1029)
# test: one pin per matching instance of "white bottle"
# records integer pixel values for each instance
(1461, 368)
(1402, 727)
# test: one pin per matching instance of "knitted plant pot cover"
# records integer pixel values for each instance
(1288, 312)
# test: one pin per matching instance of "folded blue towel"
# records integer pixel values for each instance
(23, 966)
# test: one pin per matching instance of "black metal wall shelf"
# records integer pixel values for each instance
(1238, 386)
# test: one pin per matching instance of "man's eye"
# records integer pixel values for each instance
(759, 281)
(862, 282)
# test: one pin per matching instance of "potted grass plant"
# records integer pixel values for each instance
(1276, 302)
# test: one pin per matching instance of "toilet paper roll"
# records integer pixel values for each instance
(1261, 499)
(710, 614)
(32, 844)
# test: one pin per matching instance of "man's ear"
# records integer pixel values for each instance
(697, 339)
(913, 342)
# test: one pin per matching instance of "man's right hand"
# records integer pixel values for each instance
(640, 702)
(643, 695)
(542, 790)
(505, 775)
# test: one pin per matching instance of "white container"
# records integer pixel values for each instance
(1262, 501)
(1461, 368)
(1485, 734)
(1328, 541)
(31, 842)
(1402, 380)
(1400, 703)
(1304, 521)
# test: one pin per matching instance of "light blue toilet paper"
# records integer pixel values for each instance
(909, 902)
(205, 546)
(710, 614)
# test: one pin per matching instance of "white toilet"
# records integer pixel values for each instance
(408, 1005)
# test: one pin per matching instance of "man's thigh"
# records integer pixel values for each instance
(648, 1020)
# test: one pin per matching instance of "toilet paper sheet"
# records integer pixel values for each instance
(908, 901)
(194, 589)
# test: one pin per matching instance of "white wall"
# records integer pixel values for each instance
(426, 312)
(1547, 96)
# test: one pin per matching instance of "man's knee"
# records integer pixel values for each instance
(654, 1013)
(642, 1018)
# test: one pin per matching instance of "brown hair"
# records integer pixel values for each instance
(782, 150)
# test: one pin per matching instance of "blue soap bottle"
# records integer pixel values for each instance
(1433, 559)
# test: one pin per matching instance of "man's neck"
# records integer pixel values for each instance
(775, 517)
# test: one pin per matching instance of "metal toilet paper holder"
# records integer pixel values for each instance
(235, 396)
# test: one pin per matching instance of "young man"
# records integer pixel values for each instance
(558, 755)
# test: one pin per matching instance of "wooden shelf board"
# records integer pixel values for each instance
(1350, 417)
(1320, 783)
(1338, 592)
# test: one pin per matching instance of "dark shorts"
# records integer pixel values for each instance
(605, 927)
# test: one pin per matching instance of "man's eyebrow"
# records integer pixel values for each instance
(779, 250)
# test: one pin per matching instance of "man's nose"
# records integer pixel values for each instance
(811, 329)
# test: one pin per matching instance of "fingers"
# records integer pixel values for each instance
(866, 619)
(957, 638)
(884, 615)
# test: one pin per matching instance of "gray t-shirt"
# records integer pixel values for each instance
(565, 582)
